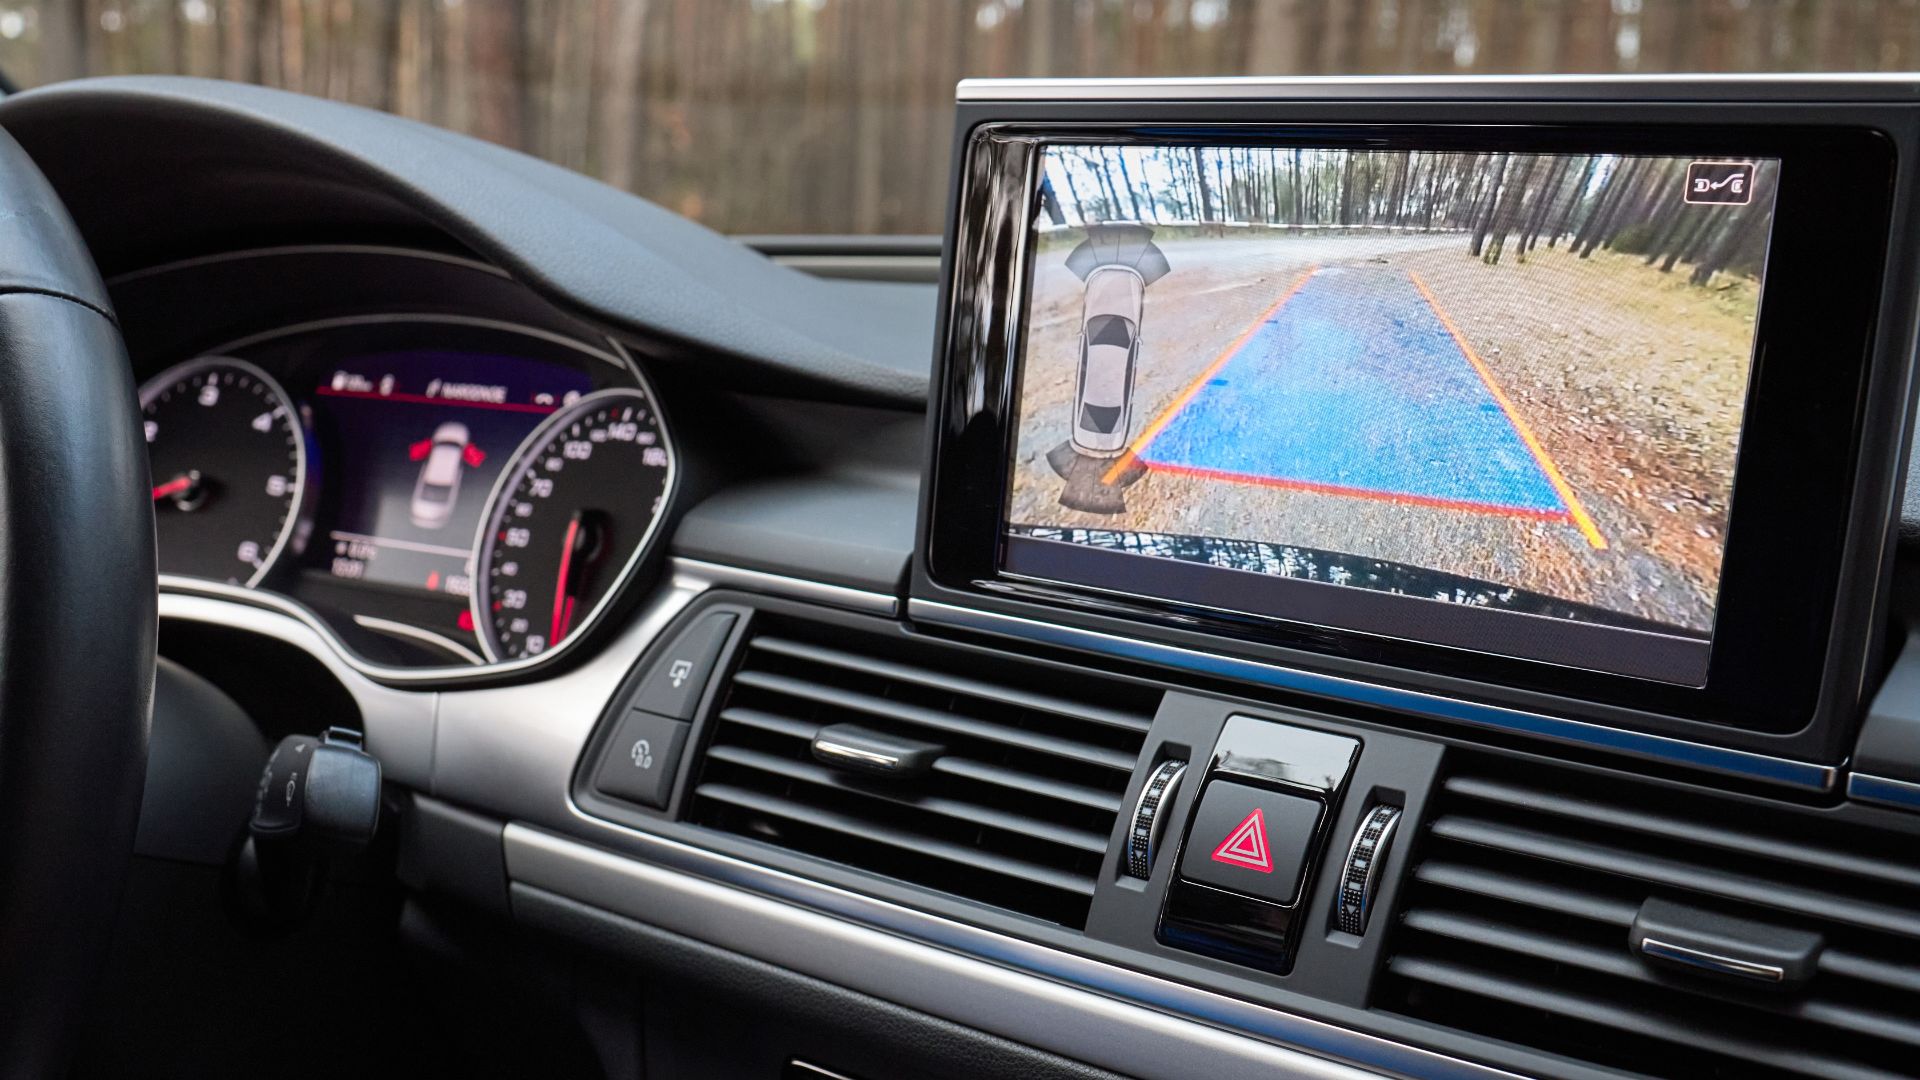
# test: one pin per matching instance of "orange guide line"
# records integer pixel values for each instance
(1559, 482)
(1399, 498)
(1166, 416)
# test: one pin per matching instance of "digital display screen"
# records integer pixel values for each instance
(414, 442)
(1512, 381)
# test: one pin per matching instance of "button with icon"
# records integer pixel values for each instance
(642, 758)
(672, 686)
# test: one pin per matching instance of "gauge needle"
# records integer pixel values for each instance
(562, 594)
(178, 486)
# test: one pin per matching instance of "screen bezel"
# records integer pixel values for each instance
(1802, 450)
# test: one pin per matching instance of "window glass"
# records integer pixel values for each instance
(835, 116)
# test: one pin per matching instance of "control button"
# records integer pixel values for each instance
(640, 762)
(1149, 817)
(1250, 840)
(1362, 870)
(672, 687)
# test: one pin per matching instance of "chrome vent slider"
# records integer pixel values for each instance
(1143, 834)
(1361, 872)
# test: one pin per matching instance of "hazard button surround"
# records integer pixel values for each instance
(1251, 840)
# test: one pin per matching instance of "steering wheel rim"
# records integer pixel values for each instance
(78, 618)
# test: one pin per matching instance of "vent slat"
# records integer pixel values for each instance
(1850, 965)
(1752, 1048)
(897, 838)
(1680, 875)
(934, 720)
(956, 809)
(1031, 783)
(1619, 964)
(955, 684)
(1498, 886)
(762, 720)
(1682, 830)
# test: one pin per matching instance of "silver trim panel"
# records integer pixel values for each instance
(1743, 763)
(510, 749)
(813, 592)
(1482, 87)
(1899, 794)
(1123, 1019)
(399, 723)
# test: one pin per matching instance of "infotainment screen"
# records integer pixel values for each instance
(1343, 386)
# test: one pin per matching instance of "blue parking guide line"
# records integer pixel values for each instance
(1355, 387)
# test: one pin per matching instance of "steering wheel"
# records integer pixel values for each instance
(77, 621)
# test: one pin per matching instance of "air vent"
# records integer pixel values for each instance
(1517, 923)
(1017, 809)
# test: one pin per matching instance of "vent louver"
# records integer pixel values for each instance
(1017, 810)
(1516, 927)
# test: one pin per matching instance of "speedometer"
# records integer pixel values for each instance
(574, 508)
(229, 462)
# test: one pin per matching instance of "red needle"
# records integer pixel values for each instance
(172, 487)
(562, 603)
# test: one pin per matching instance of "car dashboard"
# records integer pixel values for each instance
(688, 612)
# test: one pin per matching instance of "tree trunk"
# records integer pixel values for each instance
(1484, 220)
(1206, 195)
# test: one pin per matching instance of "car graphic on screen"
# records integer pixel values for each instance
(439, 485)
(1109, 347)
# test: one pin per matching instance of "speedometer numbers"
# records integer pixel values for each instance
(229, 463)
(571, 511)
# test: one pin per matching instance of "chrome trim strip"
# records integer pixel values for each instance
(1706, 961)
(1126, 1020)
(1742, 763)
(814, 592)
(1239, 87)
(854, 755)
(1900, 794)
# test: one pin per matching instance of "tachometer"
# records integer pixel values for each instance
(229, 463)
(570, 513)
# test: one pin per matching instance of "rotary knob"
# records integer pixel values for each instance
(1362, 870)
(1162, 784)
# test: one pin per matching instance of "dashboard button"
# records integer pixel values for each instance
(1250, 840)
(672, 687)
(639, 763)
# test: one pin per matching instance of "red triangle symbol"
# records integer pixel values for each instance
(1246, 845)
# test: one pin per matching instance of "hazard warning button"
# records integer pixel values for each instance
(1250, 840)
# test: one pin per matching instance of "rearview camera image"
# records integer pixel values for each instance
(1510, 380)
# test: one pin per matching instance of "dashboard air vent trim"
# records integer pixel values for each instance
(1017, 811)
(1526, 888)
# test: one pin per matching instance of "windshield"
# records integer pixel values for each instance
(835, 116)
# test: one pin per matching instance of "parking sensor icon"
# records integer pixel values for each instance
(1719, 183)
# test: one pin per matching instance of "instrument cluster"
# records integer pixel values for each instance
(442, 490)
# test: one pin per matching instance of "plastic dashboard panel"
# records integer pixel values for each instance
(286, 163)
